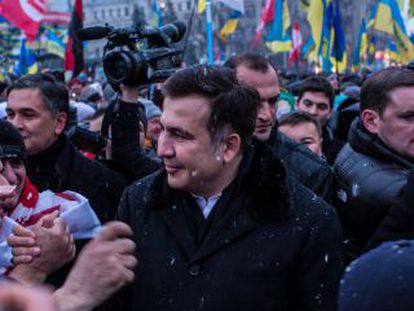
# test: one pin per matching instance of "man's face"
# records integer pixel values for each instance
(13, 173)
(396, 125)
(316, 104)
(304, 133)
(267, 85)
(192, 162)
(154, 128)
(28, 113)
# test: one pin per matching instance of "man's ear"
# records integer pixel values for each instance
(232, 147)
(61, 121)
(370, 120)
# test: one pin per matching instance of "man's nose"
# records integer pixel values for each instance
(165, 146)
(265, 113)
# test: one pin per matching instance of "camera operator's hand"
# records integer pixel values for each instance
(129, 94)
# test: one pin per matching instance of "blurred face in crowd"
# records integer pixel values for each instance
(316, 104)
(13, 173)
(395, 127)
(267, 84)
(154, 129)
(304, 133)
(334, 81)
(27, 111)
(193, 162)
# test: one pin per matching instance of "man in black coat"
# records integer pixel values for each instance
(373, 167)
(37, 105)
(257, 72)
(223, 227)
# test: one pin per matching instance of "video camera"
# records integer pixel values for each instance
(138, 55)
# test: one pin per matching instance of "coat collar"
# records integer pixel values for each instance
(258, 194)
(364, 142)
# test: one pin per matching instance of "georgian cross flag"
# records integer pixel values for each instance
(28, 14)
(24, 14)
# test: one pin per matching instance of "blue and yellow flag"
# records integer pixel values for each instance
(157, 14)
(26, 62)
(316, 13)
(55, 44)
(360, 47)
(387, 17)
(278, 39)
(392, 52)
(230, 26)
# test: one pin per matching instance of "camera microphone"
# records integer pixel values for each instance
(93, 33)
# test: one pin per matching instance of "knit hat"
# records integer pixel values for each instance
(151, 110)
(11, 142)
(382, 279)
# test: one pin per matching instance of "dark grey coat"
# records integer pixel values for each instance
(370, 177)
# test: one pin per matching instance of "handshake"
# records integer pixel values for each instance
(104, 266)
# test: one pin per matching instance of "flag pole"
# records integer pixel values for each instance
(209, 20)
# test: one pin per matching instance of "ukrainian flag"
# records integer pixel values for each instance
(361, 46)
(230, 26)
(392, 52)
(316, 7)
(55, 44)
(278, 39)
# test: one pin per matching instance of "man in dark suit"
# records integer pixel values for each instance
(222, 227)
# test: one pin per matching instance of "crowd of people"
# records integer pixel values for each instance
(232, 187)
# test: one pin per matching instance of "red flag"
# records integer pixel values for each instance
(267, 16)
(24, 14)
(297, 44)
(74, 48)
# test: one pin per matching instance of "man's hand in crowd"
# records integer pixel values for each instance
(39, 253)
(103, 267)
(21, 298)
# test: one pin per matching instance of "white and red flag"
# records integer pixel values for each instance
(27, 15)
(24, 14)
(296, 44)
(268, 14)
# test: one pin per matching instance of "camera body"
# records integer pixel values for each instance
(138, 55)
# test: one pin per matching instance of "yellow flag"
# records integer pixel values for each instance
(201, 6)
(315, 21)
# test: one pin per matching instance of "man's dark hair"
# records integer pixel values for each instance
(252, 61)
(232, 105)
(376, 89)
(299, 117)
(54, 93)
(317, 84)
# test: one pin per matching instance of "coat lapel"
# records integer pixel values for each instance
(173, 216)
(235, 224)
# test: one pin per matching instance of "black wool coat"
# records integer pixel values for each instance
(270, 244)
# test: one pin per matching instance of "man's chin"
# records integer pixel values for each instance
(262, 136)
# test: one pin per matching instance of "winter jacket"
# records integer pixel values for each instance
(269, 244)
(303, 165)
(370, 177)
(72, 171)
(399, 223)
